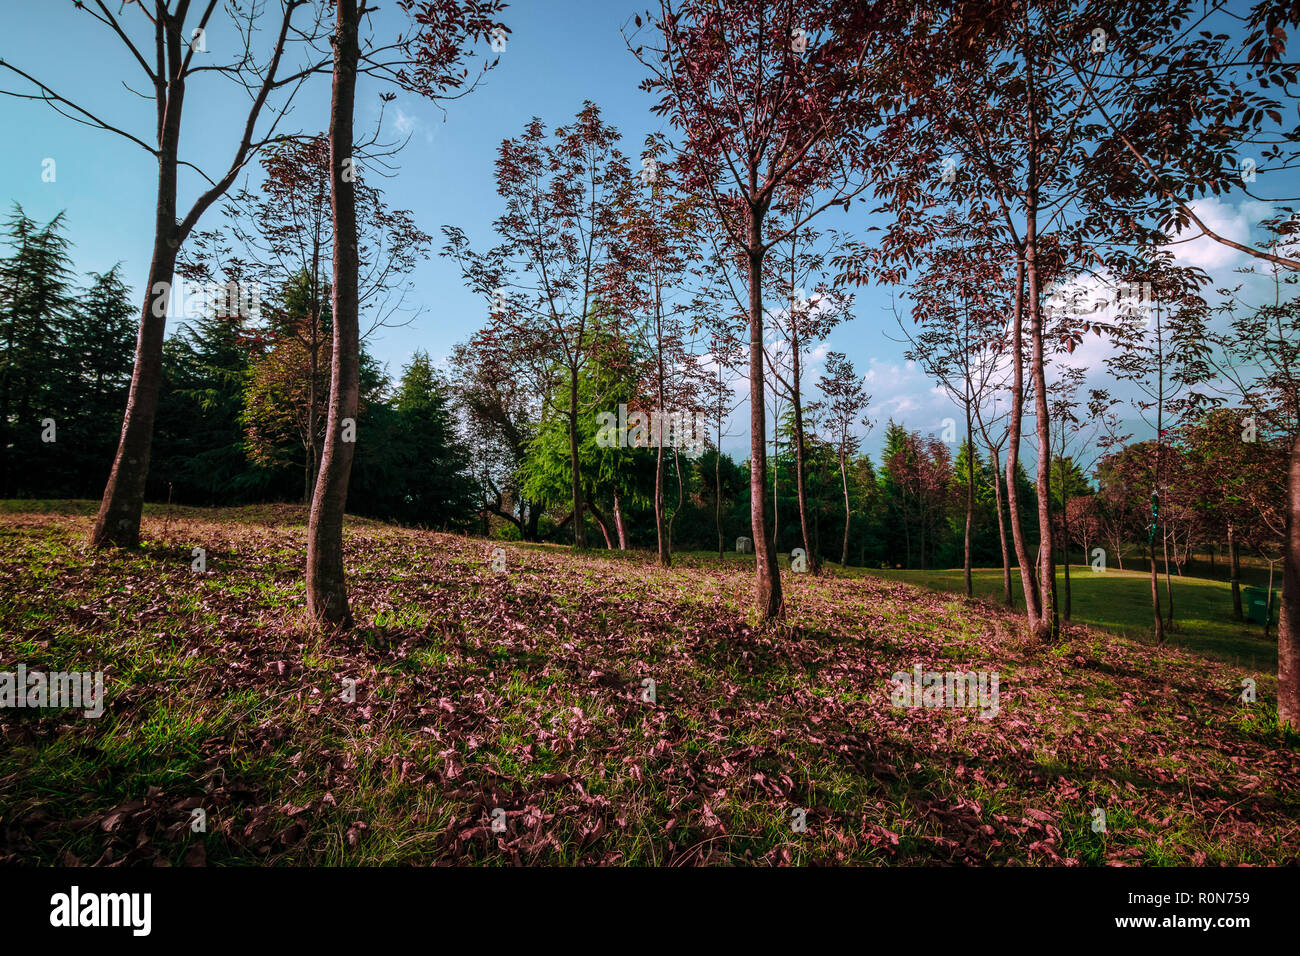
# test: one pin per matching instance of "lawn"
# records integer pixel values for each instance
(1120, 601)
(591, 708)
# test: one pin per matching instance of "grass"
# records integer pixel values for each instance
(466, 696)
(1120, 602)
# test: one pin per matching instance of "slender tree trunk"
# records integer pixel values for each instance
(309, 478)
(848, 514)
(1045, 628)
(970, 501)
(1169, 584)
(661, 532)
(327, 596)
(717, 485)
(618, 522)
(1234, 570)
(118, 521)
(767, 581)
(579, 525)
(661, 529)
(776, 481)
(1027, 579)
(677, 467)
(1155, 594)
(1268, 598)
(313, 452)
(1008, 595)
(1065, 561)
(800, 478)
(600, 523)
(534, 516)
(1288, 626)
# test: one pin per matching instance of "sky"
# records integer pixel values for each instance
(559, 53)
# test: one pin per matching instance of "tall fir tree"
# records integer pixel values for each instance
(35, 296)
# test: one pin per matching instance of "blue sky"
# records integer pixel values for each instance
(560, 53)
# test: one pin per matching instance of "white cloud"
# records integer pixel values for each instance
(1231, 222)
(406, 124)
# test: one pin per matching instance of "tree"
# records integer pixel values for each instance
(1259, 361)
(726, 352)
(96, 350)
(280, 237)
(201, 447)
(916, 476)
(501, 411)
(285, 403)
(846, 404)
(961, 337)
(1219, 468)
(427, 60)
(327, 596)
(35, 299)
(175, 54)
(650, 269)
(1186, 111)
(797, 263)
(771, 99)
(1074, 454)
(1162, 349)
(559, 233)
(434, 487)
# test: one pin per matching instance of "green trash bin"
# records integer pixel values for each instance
(1256, 600)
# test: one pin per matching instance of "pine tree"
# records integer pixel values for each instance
(436, 487)
(35, 282)
(97, 343)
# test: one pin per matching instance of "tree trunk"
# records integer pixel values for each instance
(534, 516)
(1027, 580)
(677, 467)
(618, 522)
(1008, 596)
(118, 521)
(1065, 533)
(579, 525)
(661, 530)
(717, 485)
(1065, 562)
(1234, 566)
(309, 484)
(970, 503)
(1155, 594)
(848, 514)
(1288, 626)
(767, 579)
(600, 523)
(1045, 626)
(327, 596)
(800, 479)
(1169, 584)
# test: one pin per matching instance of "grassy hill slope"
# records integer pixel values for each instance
(522, 691)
